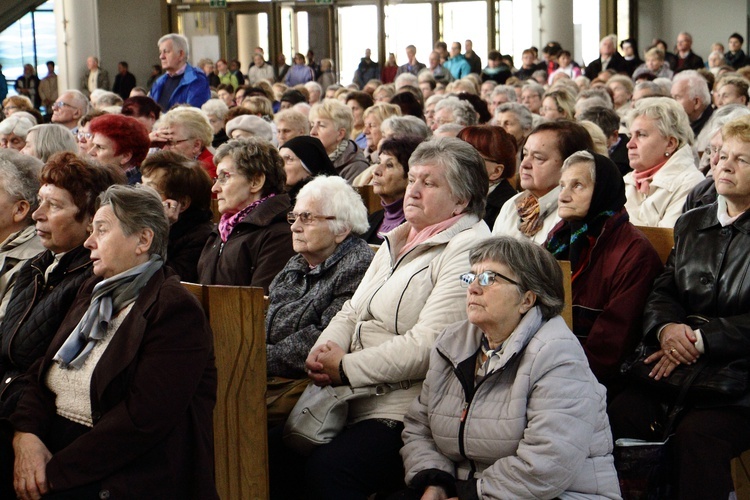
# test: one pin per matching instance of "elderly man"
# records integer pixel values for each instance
(531, 96)
(457, 64)
(69, 108)
(533, 212)
(315, 91)
(290, 124)
(453, 110)
(690, 89)
(685, 57)
(609, 58)
(515, 119)
(500, 95)
(439, 71)
(412, 66)
(181, 83)
(94, 78)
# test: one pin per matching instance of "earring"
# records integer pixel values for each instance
(666, 154)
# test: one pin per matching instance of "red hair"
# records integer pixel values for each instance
(128, 135)
(494, 143)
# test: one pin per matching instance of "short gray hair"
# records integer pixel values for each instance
(535, 268)
(19, 177)
(192, 120)
(107, 99)
(522, 113)
(334, 196)
(80, 101)
(215, 107)
(51, 138)
(406, 125)
(16, 125)
(179, 42)
(314, 86)
(406, 79)
(581, 157)
(671, 119)
(464, 167)
(139, 208)
(534, 87)
(293, 119)
(506, 90)
(463, 112)
(697, 86)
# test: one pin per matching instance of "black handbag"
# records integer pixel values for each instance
(716, 379)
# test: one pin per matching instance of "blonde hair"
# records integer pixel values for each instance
(597, 137)
(336, 111)
(192, 120)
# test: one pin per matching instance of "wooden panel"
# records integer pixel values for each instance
(371, 200)
(215, 210)
(567, 312)
(374, 247)
(741, 475)
(662, 238)
(236, 315)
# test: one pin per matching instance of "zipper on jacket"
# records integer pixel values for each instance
(23, 317)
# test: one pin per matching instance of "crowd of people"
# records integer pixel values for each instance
(487, 174)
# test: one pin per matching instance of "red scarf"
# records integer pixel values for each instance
(643, 179)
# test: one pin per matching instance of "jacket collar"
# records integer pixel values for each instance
(396, 239)
(269, 211)
(300, 265)
(671, 175)
(709, 218)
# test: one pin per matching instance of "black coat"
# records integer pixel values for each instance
(495, 201)
(707, 274)
(34, 313)
(187, 237)
(617, 63)
(620, 155)
(124, 84)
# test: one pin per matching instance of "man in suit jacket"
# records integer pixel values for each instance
(413, 66)
(124, 80)
(94, 78)
(609, 58)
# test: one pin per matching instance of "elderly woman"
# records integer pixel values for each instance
(498, 150)
(185, 191)
(697, 313)
(84, 135)
(509, 408)
(43, 141)
(389, 181)
(13, 132)
(247, 126)
(216, 112)
(379, 337)
(142, 108)
(373, 118)
(622, 91)
(19, 184)
(558, 104)
(15, 103)
(47, 284)
(655, 64)
(331, 122)
(128, 383)
(731, 89)
(313, 286)
(290, 124)
(186, 131)
(359, 102)
(119, 141)
(660, 155)
(304, 158)
(613, 264)
(251, 243)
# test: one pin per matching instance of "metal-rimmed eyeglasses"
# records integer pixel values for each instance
(307, 217)
(486, 278)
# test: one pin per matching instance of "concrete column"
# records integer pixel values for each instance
(77, 38)
(248, 37)
(553, 22)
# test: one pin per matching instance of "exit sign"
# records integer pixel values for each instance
(217, 3)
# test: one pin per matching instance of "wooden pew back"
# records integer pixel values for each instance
(567, 312)
(371, 200)
(662, 238)
(236, 315)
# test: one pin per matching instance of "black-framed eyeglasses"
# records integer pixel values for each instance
(307, 217)
(487, 278)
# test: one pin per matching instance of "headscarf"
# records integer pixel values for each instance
(571, 240)
(312, 154)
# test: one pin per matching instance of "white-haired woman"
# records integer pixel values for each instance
(188, 132)
(13, 132)
(42, 141)
(664, 171)
(331, 260)
(216, 111)
(332, 122)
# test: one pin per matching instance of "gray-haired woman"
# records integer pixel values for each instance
(385, 332)
(509, 408)
(313, 286)
(128, 384)
(42, 141)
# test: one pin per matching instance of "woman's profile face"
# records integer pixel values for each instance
(388, 179)
(429, 199)
(357, 111)
(12, 141)
(56, 223)
(112, 251)
(372, 131)
(647, 148)
(325, 130)
(29, 148)
(293, 168)
(314, 241)
(654, 63)
(550, 110)
(233, 190)
(576, 191)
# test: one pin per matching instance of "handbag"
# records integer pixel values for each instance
(715, 380)
(321, 413)
(281, 396)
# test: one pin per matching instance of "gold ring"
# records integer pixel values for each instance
(672, 350)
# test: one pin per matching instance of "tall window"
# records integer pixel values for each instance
(30, 40)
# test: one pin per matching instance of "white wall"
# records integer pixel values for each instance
(708, 22)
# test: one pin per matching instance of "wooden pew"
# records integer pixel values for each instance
(215, 211)
(236, 315)
(662, 238)
(371, 200)
(567, 312)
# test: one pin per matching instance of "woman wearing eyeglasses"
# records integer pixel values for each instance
(330, 262)
(383, 335)
(509, 408)
(251, 243)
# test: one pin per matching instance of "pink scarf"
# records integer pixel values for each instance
(643, 179)
(415, 237)
(228, 221)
